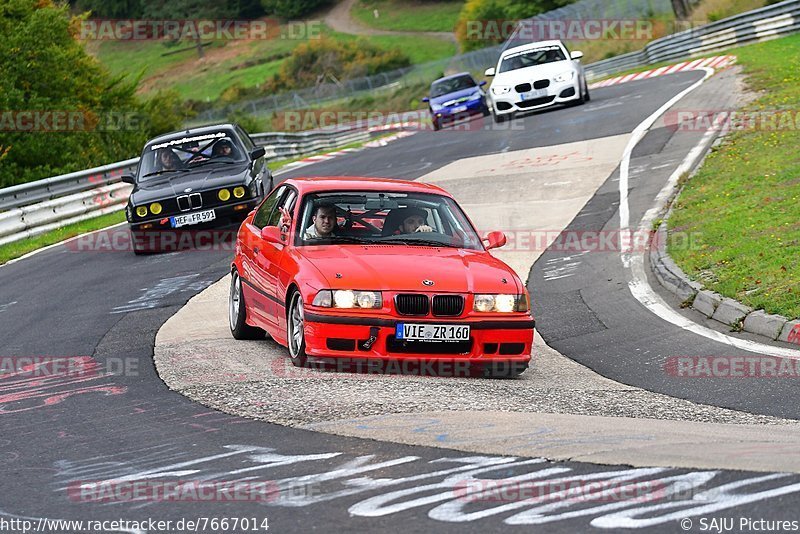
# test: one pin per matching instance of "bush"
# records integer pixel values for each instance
(291, 9)
(322, 60)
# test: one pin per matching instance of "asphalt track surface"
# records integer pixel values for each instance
(116, 420)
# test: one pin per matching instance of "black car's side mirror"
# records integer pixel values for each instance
(258, 152)
(128, 179)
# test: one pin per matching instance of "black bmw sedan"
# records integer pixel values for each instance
(194, 178)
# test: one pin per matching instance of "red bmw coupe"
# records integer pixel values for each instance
(382, 269)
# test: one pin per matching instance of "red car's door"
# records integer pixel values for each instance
(254, 286)
(267, 260)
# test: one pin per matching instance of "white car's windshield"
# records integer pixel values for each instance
(187, 152)
(531, 58)
(372, 217)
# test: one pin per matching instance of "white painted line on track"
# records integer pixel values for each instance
(635, 263)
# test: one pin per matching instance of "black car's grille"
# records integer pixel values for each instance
(448, 305)
(541, 84)
(410, 304)
(192, 201)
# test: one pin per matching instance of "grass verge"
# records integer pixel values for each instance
(16, 249)
(414, 16)
(744, 202)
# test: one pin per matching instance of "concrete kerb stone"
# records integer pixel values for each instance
(731, 312)
(706, 302)
(765, 324)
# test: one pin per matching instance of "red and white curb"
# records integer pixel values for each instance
(716, 62)
(331, 155)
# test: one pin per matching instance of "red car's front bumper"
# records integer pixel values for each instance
(506, 339)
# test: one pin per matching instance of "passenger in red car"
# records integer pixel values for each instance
(324, 220)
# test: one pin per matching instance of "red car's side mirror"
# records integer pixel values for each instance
(495, 240)
(272, 234)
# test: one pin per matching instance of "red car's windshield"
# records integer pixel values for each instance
(372, 217)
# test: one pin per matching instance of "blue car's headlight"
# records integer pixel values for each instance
(475, 96)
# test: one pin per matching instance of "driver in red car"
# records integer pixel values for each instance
(413, 220)
(324, 220)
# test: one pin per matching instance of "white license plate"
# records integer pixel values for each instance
(459, 109)
(432, 332)
(536, 93)
(192, 218)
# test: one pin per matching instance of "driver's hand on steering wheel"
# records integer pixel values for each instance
(424, 228)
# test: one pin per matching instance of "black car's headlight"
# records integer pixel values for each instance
(141, 211)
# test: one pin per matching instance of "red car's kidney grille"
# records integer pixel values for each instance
(448, 305)
(411, 304)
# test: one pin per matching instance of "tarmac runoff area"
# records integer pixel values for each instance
(557, 409)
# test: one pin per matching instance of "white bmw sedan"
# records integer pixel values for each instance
(534, 76)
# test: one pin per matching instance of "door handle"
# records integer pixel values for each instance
(255, 250)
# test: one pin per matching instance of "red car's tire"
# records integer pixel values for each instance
(237, 312)
(295, 330)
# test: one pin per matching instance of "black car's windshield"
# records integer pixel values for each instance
(531, 58)
(372, 218)
(451, 85)
(187, 151)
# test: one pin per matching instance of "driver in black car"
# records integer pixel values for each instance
(168, 159)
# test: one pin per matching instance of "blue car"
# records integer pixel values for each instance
(455, 97)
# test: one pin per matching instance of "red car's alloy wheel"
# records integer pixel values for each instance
(295, 331)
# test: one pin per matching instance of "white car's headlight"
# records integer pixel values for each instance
(500, 90)
(565, 76)
(346, 298)
(500, 303)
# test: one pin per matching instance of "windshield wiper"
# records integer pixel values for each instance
(207, 161)
(163, 171)
(412, 241)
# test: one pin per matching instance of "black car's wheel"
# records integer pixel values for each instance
(295, 330)
(237, 313)
(504, 369)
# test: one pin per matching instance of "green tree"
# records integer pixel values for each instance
(189, 10)
(46, 70)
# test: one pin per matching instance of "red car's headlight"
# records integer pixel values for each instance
(347, 298)
(500, 303)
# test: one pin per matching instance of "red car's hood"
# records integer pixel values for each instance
(398, 268)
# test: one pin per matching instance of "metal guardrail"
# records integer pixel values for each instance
(760, 24)
(36, 207)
